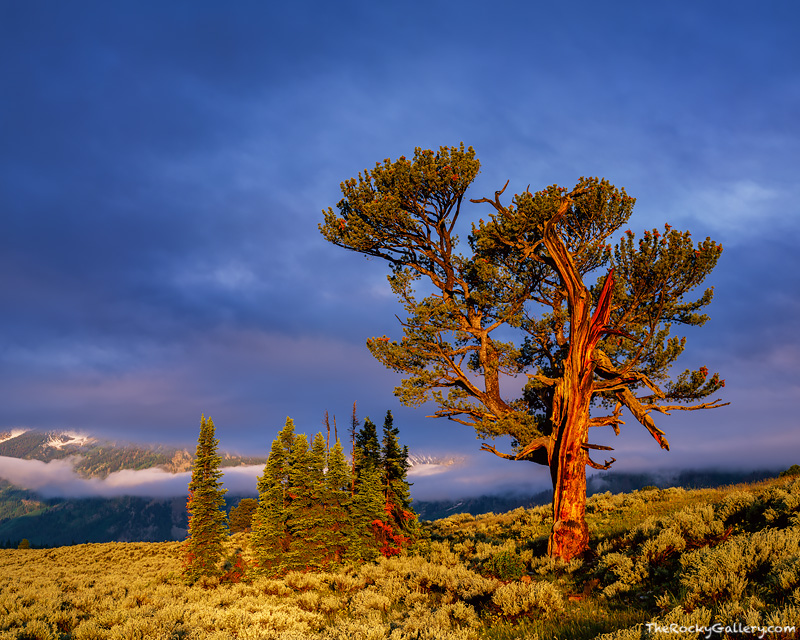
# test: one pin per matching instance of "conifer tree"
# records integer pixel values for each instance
(394, 463)
(540, 293)
(338, 502)
(206, 504)
(367, 450)
(366, 514)
(308, 516)
(323, 518)
(309, 524)
(240, 517)
(318, 459)
(270, 540)
(353, 426)
(300, 524)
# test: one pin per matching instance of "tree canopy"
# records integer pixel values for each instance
(515, 302)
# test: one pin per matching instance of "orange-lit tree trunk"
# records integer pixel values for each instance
(570, 534)
(571, 402)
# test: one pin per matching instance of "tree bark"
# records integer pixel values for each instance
(570, 535)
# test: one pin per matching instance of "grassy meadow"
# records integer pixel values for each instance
(727, 556)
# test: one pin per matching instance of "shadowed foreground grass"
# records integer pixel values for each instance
(728, 556)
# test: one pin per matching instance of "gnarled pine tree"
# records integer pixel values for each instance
(538, 266)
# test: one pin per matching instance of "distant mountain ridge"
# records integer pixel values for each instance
(609, 481)
(97, 458)
(60, 521)
(53, 522)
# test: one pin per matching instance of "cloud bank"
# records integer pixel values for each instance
(469, 476)
(58, 479)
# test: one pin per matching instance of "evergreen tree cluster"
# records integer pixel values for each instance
(315, 509)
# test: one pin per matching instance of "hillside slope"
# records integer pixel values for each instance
(710, 559)
(96, 457)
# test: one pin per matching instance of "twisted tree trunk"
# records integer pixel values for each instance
(571, 401)
(570, 535)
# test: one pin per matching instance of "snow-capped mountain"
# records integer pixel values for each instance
(67, 439)
(96, 457)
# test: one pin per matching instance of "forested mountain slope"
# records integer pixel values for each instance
(96, 457)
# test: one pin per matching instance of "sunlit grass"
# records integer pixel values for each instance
(472, 578)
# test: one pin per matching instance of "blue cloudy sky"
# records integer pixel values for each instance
(163, 167)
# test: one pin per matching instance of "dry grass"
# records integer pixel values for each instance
(451, 586)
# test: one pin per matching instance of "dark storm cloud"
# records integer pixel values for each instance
(163, 168)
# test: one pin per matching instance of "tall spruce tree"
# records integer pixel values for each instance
(310, 515)
(367, 450)
(396, 489)
(338, 502)
(240, 517)
(307, 523)
(292, 527)
(324, 520)
(270, 539)
(354, 422)
(367, 516)
(300, 525)
(206, 507)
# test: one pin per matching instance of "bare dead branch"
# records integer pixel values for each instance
(539, 456)
(487, 447)
(640, 412)
(597, 447)
(602, 467)
(539, 450)
(714, 404)
(612, 421)
(496, 202)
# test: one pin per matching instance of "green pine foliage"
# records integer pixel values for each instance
(206, 506)
(367, 513)
(397, 495)
(240, 517)
(307, 523)
(794, 470)
(270, 539)
(381, 499)
(338, 503)
(366, 450)
(311, 515)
